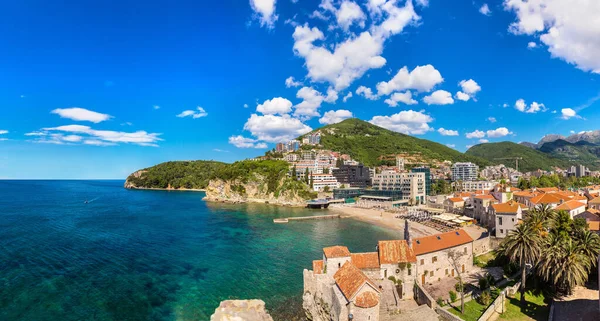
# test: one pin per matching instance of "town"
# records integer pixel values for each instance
(466, 211)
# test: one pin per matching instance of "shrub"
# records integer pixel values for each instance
(510, 269)
(485, 298)
(392, 278)
(453, 296)
(440, 302)
(483, 284)
(459, 288)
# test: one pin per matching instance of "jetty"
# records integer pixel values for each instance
(323, 203)
(307, 218)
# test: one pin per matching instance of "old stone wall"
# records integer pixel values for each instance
(436, 265)
(482, 246)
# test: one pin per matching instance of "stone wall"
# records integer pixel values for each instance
(482, 246)
(447, 315)
(438, 266)
(423, 297)
(241, 310)
(497, 306)
(317, 297)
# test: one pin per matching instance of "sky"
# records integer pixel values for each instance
(101, 89)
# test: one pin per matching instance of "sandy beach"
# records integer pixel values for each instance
(382, 218)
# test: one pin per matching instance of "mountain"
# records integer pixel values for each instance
(580, 152)
(586, 136)
(175, 175)
(366, 142)
(532, 159)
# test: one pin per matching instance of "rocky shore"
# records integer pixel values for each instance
(251, 192)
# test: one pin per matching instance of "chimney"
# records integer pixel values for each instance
(407, 233)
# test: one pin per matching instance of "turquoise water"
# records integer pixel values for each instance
(152, 255)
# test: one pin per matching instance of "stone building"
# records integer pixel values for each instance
(481, 205)
(506, 216)
(358, 284)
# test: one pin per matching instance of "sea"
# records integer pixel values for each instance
(154, 255)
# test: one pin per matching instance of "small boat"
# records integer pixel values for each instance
(86, 201)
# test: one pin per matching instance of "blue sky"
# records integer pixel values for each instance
(98, 90)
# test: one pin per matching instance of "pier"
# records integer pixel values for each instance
(306, 218)
(323, 203)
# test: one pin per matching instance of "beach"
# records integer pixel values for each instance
(383, 219)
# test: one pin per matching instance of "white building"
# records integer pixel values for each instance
(464, 172)
(411, 184)
(506, 217)
(320, 181)
(472, 186)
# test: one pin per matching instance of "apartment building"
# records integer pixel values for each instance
(412, 185)
(464, 172)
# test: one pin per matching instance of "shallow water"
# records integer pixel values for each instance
(153, 255)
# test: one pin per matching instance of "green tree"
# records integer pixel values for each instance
(522, 246)
(311, 182)
(563, 264)
(294, 173)
(306, 176)
(589, 245)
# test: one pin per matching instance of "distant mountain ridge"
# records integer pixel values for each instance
(505, 152)
(587, 136)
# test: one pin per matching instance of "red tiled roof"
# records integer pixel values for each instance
(546, 199)
(336, 251)
(456, 200)
(318, 267)
(367, 299)
(439, 242)
(394, 252)
(595, 201)
(548, 189)
(594, 226)
(508, 207)
(485, 197)
(569, 206)
(365, 260)
(349, 279)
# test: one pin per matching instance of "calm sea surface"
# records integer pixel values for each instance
(152, 255)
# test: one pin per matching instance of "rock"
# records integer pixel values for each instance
(241, 310)
(252, 191)
(129, 184)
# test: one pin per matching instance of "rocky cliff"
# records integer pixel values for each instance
(256, 190)
(241, 310)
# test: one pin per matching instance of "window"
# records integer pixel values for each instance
(434, 259)
(339, 265)
(501, 231)
(446, 272)
(409, 271)
(422, 261)
(465, 250)
(431, 273)
(513, 220)
(500, 220)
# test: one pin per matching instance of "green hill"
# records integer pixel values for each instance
(366, 142)
(532, 159)
(582, 152)
(179, 174)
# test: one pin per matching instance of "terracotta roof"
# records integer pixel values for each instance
(595, 201)
(394, 252)
(508, 207)
(548, 189)
(318, 267)
(456, 200)
(336, 251)
(439, 242)
(349, 279)
(525, 194)
(365, 260)
(485, 197)
(594, 226)
(569, 206)
(546, 199)
(593, 211)
(367, 299)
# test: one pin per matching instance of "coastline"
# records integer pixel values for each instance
(383, 219)
(166, 189)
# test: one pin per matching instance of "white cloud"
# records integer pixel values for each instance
(350, 13)
(351, 58)
(570, 29)
(439, 97)
(568, 113)
(198, 113)
(475, 134)
(3, 132)
(483, 141)
(469, 87)
(156, 107)
(462, 96)
(311, 101)
(265, 10)
(492, 119)
(348, 96)
(422, 78)
(333, 117)
(332, 96)
(451, 145)
(81, 114)
(447, 132)
(405, 98)
(290, 82)
(366, 92)
(485, 10)
(406, 122)
(220, 150)
(504, 105)
(499, 132)
(469, 146)
(245, 105)
(49, 135)
(274, 106)
(244, 142)
(535, 107)
(531, 45)
(275, 129)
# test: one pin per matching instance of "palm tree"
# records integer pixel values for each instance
(589, 245)
(539, 219)
(563, 264)
(522, 246)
